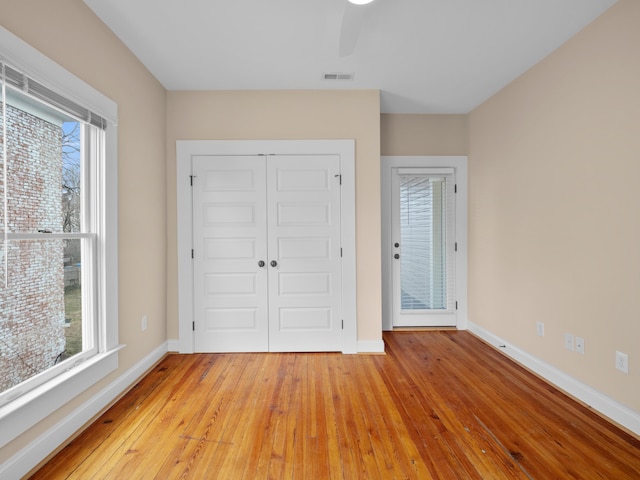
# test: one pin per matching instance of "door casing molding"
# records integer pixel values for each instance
(185, 149)
(459, 164)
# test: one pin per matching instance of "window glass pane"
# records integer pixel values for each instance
(71, 177)
(2, 159)
(423, 239)
(41, 307)
(43, 168)
(73, 320)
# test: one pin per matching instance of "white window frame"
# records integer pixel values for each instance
(31, 407)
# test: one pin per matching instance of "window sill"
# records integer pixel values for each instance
(27, 410)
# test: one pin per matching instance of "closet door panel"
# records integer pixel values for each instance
(229, 222)
(303, 201)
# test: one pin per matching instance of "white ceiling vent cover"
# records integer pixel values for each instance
(337, 76)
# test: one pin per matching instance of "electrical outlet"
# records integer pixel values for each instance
(568, 341)
(540, 329)
(143, 323)
(580, 345)
(622, 362)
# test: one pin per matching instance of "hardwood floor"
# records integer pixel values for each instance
(439, 405)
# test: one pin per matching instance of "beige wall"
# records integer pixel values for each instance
(68, 32)
(422, 134)
(289, 115)
(554, 229)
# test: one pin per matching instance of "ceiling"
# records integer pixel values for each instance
(425, 56)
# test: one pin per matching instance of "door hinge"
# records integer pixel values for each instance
(193, 326)
(339, 175)
(455, 246)
(340, 251)
(192, 253)
(456, 304)
(342, 324)
(191, 177)
(455, 188)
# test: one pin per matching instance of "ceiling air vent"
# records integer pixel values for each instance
(337, 76)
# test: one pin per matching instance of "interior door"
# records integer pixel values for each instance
(267, 265)
(305, 288)
(423, 247)
(230, 242)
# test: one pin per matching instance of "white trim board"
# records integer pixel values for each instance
(608, 407)
(35, 452)
(459, 164)
(185, 149)
(370, 346)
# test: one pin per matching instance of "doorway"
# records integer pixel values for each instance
(267, 265)
(424, 242)
(268, 228)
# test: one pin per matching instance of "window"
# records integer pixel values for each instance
(423, 236)
(58, 256)
(49, 239)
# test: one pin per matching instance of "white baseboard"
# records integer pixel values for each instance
(603, 404)
(173, 345)
(35, 452)
(370, 346)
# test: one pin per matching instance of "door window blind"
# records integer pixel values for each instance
(427, 269)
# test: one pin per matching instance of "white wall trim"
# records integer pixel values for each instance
(35, 452)
(370, 346)
(459, 164)
(605, 405)
(185, 149)
(173, 346)
(31, 407)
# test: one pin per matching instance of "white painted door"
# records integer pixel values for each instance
(230, 241)
(305, 288)
(280, 210)
(423, 247)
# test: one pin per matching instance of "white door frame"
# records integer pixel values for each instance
(459, 164)
(185, 149)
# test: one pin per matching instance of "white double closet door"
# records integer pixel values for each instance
(267, 260)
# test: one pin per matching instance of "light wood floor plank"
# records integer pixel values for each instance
(437, 388)
(438, 405)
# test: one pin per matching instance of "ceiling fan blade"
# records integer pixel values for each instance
(351, 25)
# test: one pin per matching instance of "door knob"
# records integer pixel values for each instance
(261, 263)
(396, 256)
(274, 263)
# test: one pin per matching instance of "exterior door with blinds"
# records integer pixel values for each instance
(423, 247)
